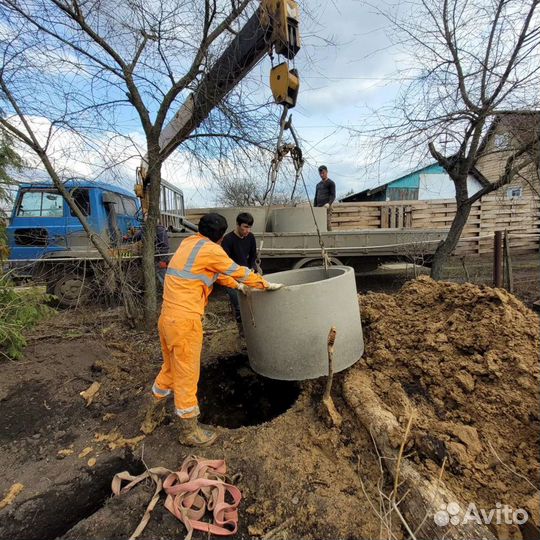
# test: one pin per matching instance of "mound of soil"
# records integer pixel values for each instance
(464, 360)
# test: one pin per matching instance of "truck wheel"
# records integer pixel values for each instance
(71, 289)
(310, 262)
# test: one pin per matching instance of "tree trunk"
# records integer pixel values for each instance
(447, 246)
(421, 497)
(148, 253)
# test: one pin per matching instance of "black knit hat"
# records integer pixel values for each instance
(213, 226)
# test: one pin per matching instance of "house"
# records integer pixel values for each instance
(428, 183)
(507, 133)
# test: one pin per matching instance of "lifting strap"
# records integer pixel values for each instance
(198, 485)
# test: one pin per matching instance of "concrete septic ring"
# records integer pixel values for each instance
(297, 219)
(287, 330)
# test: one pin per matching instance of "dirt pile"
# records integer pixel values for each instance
(464, 359)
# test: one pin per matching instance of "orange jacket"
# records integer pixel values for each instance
(197, 264)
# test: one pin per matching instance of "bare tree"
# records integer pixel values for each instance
(9, 161)
(112, 67)
(473, 63)
(250, 183)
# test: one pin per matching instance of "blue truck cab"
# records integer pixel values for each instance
(42, 225)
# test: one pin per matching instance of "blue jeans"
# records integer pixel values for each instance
(235, 303)
(160, 275)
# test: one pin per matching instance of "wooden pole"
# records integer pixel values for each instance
(330, 411)
(509, 276)
(498, 259)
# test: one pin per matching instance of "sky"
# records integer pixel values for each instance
(341, 85)
(347, 70)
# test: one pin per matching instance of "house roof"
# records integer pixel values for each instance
(524, 125)
(373, 191)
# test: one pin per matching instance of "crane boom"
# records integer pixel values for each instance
(242, 54)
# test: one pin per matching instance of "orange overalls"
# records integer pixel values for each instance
(197, 264)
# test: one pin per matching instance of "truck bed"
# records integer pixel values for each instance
(378, 243)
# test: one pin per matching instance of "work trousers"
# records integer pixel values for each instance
(235, 303)
(181, 345)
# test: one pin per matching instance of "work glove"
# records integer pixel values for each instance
(244, 289)
(274, 286)
(327, 205)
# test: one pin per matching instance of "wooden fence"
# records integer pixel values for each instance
(520, 217)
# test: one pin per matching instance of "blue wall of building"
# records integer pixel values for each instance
(412, 180)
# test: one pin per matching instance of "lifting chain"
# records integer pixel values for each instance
(298, 162)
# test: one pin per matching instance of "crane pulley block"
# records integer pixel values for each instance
(283, 18)
(285, 84)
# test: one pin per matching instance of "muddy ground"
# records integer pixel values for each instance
(299, 478)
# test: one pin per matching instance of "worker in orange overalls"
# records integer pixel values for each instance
(198, 263)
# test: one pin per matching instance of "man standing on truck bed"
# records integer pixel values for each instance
(241, 247)
(325, 193)
(198, 263)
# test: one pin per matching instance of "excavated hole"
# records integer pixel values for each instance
(56, 511)
(232, 395)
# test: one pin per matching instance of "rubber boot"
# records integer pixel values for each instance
(154, 414)
(194, 434)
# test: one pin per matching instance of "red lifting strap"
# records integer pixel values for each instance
(198, 485)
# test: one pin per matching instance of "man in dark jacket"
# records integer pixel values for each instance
(162, 249)
(241, 247)
(325, 193)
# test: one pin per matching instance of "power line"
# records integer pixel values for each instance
(339, 78)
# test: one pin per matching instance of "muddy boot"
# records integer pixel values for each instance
(154, 414)
(194, 434)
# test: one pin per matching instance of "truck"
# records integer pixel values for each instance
(47, 242)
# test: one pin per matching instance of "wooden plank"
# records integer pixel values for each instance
(385, 217)
(356, 217)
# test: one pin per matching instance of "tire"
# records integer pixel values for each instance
(310, 263)
(72, 289)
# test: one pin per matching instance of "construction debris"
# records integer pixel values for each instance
(89, 394)
(14, 490)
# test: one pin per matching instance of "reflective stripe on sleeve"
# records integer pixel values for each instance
(248, 273)
(232, 269)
